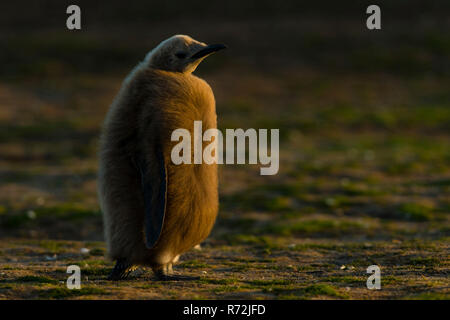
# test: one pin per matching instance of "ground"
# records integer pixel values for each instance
(244, 270)
(364, 159)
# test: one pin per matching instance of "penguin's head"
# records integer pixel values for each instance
(180, 53)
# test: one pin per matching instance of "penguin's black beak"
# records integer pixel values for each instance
(208, 50)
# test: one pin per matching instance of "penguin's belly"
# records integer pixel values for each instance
(192, 205)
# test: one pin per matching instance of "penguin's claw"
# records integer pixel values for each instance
(121, 270)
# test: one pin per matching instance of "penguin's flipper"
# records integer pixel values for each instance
(154, 185)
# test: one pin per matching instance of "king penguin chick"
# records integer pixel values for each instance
(155, 210)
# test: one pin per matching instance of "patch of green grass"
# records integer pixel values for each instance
(193, 264)
(239, 223)
(14, 220)
(429, 296)
(270, 198)
(62, 293)
(293, 292)
(362, 262)
(404, 167)
(321, 226)
(225, 281)
(97, 252)
(226, 288)
(438, 183)
(250, 239)
(94, 262)
(239, 239)
(346, 279)
(35, 279)
(360, 279)
(354, 189)
(235, 266)
(347, 247)
(151, 285)
(323, 290)
(65, 211)
(391, 280)
(51, 246)
(7, 267)
(311, 246)
(5, 285)
(43, 215)
(416, 212)
(338, 201)
(280, 203)
(264, 283)
(92, 271)
(424, 261)
(42, 130)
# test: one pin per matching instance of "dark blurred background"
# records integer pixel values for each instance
(363, 115)
(262, 35)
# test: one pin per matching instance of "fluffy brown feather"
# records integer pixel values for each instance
(150, 105)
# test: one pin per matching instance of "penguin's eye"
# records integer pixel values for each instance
(181, 55)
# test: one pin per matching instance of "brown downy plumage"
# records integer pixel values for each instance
(153, 209)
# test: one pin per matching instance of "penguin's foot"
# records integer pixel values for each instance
(121, 270)
(166, 274)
